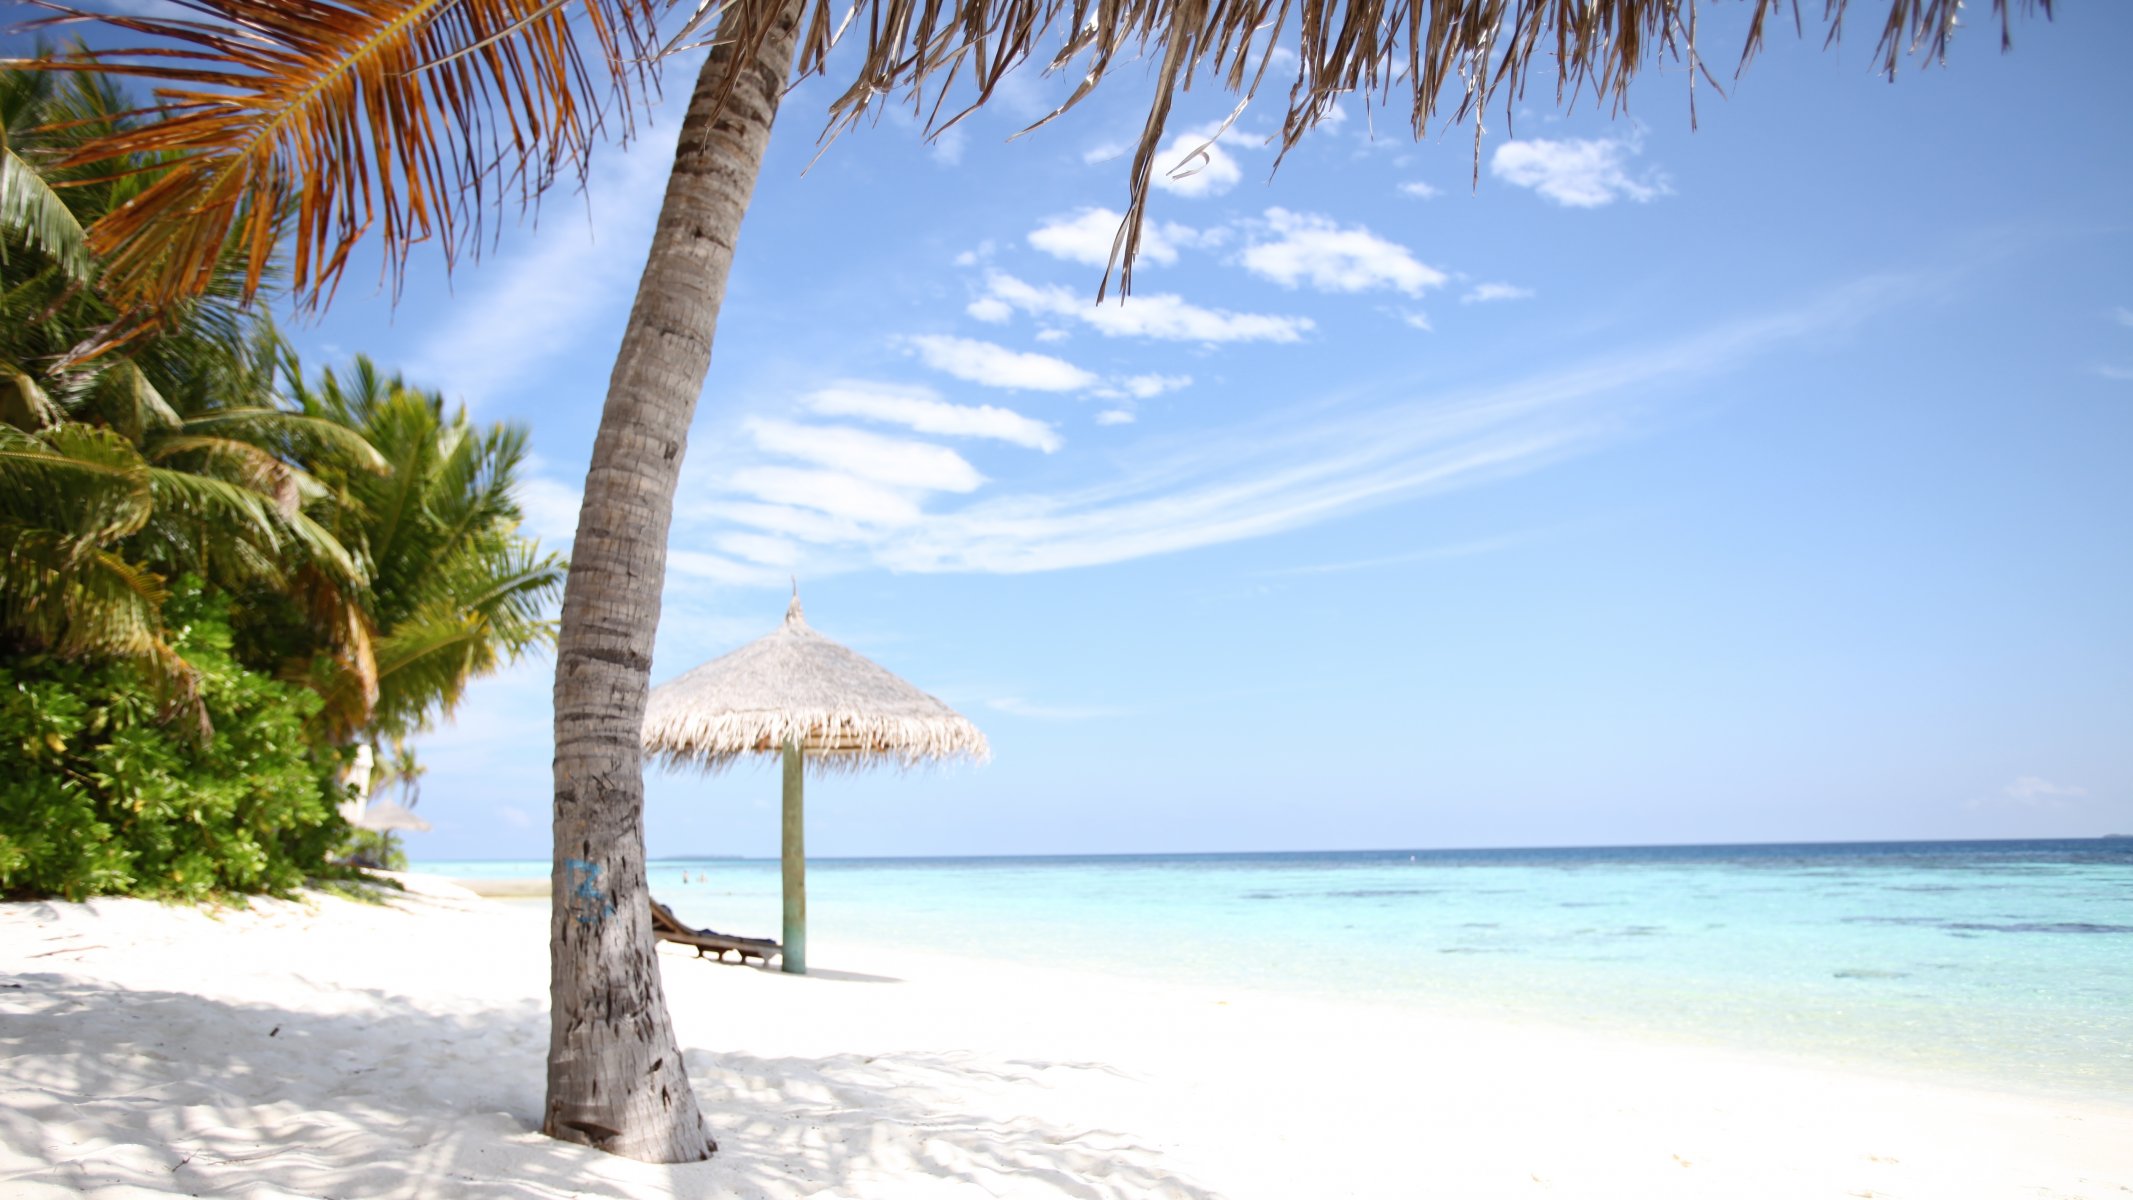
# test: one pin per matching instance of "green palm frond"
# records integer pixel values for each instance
(184, 494)
(88, 485)
(251, 467)
(137, 397)
(31, 211)
(24, 403)
(74, 600)
(299, 434)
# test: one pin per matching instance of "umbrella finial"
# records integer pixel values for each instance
(793, 615)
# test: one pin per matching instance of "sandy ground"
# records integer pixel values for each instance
(331, 1049)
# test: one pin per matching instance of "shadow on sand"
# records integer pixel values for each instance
(170, 1093)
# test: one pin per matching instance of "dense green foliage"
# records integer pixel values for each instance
(350, 552)
(99, 794)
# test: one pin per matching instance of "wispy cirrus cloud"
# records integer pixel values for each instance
(1492, 293)
(516, 317)
(1431, 554)
(1199, 487)
(1577, 172)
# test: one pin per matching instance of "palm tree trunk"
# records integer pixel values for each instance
(615, 1074)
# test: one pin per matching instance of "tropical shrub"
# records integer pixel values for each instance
(100, 794)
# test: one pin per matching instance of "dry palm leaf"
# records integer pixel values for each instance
(396, 115)
(325, 121)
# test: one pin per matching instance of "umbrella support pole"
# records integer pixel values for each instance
(794, 950)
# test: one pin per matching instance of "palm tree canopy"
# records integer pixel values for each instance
(795, 686)
(408, 117)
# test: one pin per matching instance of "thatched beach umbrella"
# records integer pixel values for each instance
(822, 706)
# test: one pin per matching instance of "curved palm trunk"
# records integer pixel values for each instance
(615, 1074)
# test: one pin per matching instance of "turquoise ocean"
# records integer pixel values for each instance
(2003, 963)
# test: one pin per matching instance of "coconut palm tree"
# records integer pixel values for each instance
(314, 105)
(165, 456)
(455, 592)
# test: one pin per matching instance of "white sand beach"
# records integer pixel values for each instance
(329, 1048)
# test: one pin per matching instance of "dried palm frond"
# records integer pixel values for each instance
(1413, 54)
(327, 121)
(394, 115)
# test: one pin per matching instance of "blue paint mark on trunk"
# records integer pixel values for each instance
(587, 901)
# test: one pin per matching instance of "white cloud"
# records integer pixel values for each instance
(1417, 320)
(1576, 172)
(1086, 236)
(1201, 487)
(1305, 248)
(1415, 189)
(831, 492)
(1433, 554)
(997, 366)
(1192, 165)
(759, 548)
(549, 506)
(1158, 315)
(1489, 293)
(1145, 387)
(923, 411)
(1051, 335)
(947, 149)
(899, 462)
(697, 564)
(980, 253)
(2123, 315)
(801, 524)
(991, 310)
(1275, 477)
(2121, 374)
(1102, 152)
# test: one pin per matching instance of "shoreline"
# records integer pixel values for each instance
(1603, 1022)
(332, 1047)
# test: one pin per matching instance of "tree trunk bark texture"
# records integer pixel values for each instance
(615, 1075)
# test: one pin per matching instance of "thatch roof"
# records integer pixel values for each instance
(845, 710)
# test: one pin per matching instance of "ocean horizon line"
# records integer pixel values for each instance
(1853, 845)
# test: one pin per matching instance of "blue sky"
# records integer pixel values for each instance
(1763, 482)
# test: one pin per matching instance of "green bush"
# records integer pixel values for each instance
(99, 795)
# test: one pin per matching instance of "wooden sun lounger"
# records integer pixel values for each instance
(668, 928)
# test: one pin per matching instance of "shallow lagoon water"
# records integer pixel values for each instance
(2009, 963)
